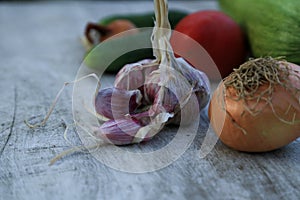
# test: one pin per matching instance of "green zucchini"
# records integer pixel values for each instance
(272, 26)
(112, 54)
(145, 19)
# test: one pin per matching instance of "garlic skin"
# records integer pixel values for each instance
(199, 79)
(132, 76)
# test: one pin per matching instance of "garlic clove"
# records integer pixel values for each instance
(114, 103)
(144, 118)
(119, 131)
(157, 122)
(167, 103)
(138, 128)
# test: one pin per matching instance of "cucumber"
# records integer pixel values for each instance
(272, 26)
(112, 54)
(146, 19)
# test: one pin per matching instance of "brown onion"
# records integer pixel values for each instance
(257, 107)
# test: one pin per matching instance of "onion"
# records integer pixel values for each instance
(257, 107)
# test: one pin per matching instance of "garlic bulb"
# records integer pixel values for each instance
(154, 92)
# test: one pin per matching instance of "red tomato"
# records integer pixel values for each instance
(221, 37)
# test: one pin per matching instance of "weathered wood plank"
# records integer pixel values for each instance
(40, 50)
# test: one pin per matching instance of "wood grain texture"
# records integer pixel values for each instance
(39, 51)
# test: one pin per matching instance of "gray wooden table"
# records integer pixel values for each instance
(39, 51)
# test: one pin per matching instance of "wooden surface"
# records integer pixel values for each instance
(39, 51)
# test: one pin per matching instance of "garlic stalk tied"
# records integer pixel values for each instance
(149, 94)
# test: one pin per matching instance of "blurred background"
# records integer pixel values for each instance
(91, 0)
